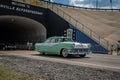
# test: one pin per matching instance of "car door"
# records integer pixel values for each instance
(44, 47)
(53, 46)
(48, 45)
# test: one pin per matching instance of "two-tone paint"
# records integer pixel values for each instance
(63, 46)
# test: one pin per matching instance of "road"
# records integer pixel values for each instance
(102, 61)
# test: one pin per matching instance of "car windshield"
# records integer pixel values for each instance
(55, 40)
(47, 41)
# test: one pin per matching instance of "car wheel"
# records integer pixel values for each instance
(64, 53)
(82, 55)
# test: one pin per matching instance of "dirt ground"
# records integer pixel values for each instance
(56, 71)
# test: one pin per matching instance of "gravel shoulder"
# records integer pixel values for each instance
(56, 71)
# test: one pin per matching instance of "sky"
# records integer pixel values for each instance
(91, 3)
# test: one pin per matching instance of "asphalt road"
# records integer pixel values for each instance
(102, 61)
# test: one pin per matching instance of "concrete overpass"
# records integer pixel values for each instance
(22, 22)
(105, 24)
(100, 26)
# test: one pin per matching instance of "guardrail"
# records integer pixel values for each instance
(83, 8)
(93, 35)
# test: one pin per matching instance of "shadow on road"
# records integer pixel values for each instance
(60, 57)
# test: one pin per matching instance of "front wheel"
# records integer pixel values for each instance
(64, 53)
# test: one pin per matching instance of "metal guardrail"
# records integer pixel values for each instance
(82, 8)
(93, 35)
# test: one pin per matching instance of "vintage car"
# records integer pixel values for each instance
(63, 46)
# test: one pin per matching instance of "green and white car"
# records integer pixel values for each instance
(63, 46)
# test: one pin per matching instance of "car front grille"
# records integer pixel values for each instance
(80, 50)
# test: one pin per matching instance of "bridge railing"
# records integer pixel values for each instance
(82, 8)
(93, 35)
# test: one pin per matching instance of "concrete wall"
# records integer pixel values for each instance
(81, 37)
(55, 24)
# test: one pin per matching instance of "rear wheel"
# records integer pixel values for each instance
(64, 53)
(82, 55)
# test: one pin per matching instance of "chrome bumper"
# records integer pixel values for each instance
(80, 51)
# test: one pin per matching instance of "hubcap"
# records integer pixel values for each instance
(65, 53)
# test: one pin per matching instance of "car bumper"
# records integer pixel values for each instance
(79, 52)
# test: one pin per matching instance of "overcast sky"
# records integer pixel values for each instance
(90, 3)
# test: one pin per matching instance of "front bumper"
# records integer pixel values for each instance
(79, 51)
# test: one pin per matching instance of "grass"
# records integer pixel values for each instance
(7, 73)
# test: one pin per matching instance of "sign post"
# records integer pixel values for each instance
(111, 4)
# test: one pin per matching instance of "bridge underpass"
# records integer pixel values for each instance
(21, 23)
(20, 30)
